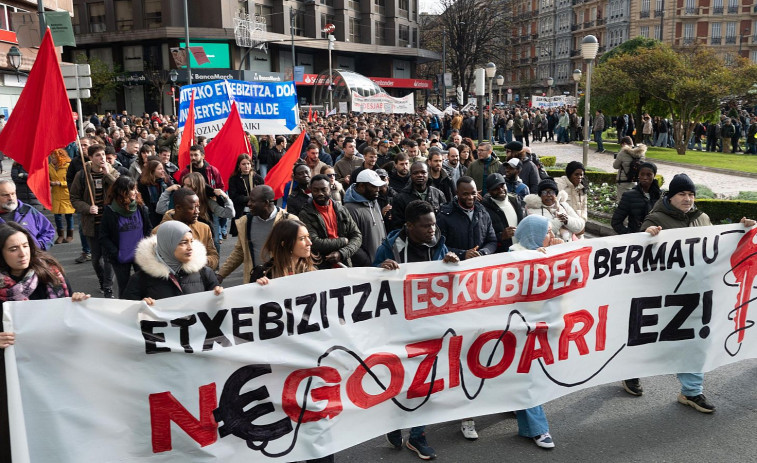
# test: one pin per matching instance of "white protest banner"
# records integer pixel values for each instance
(383, 103)
(265, 107)
(318, 362)
(547, 102)
(433, 110)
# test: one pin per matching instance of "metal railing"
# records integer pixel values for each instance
(716, 40)
(691, 11)
(717, 10)
(733, 9)
(643, 14)
(658, 13)
(730, 40)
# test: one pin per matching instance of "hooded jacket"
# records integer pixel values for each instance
(152, 280)
(35, 223)
(394, 245)
(463, 233)
(367, 216)
(663, 214)
(576, 196)
(625, 157)
(406, 196)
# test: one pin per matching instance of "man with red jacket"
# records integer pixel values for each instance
(197, 164)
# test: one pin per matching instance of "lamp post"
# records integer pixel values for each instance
(491, 71)
(500, 83)
(14, 56)
(480, 75)
(550, 83)
(577, 77)
(444, 67)
(589, 48)
(174, 74)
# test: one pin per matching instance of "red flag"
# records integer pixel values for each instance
(230, 142)
(310, 113)
(41, 121)
(186, 141)
(281, 173)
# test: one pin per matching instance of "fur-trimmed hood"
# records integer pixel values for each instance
(533, 201)
(636, 152)
(147, 260)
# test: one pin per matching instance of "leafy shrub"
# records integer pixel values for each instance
(704, 193)
(726, 211)
(747, 196)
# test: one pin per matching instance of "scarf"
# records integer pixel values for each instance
(169, 235)
(118, 209)
(11, 290)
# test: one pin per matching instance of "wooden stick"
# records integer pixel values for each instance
(90, 188)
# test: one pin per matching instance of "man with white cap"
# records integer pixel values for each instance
(360, 201)
(513, 181)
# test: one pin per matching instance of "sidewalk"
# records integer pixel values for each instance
(720, 183)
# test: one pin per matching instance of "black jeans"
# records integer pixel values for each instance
(123, 272)
(102, 267)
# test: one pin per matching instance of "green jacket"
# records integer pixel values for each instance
(347, 230)
(663, 214)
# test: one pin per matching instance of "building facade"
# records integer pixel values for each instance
(376, 38)
(728, 26)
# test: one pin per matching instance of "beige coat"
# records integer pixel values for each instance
(576, 196)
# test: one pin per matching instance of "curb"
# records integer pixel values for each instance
(599, 229)
(716, 170)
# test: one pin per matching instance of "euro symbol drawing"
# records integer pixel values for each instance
(744, 268)
(237, 421)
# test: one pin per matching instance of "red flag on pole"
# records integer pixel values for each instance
(186, 141)
(230, 142)
(281, 173)
(40, 122)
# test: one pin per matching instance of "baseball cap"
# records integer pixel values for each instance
(514, 163)
(369, 176)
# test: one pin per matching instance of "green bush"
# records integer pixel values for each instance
(747, 196)
(548, 161)
(704, 193)
(601, 177)
(726, 211)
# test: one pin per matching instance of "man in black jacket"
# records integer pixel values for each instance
(465, 224)
(504, 210)
(418, 188)
(438, 177)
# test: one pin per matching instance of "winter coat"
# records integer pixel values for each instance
(241, 253)
(463, 233)
(239, 191)
(367, 216)
(109, 236)
(61, 196)
(153, 278)
(481, 168)
(393, 247)
(499, 220)
(144, 190)
(635, 206)
(23, 192)
(444, 184)
(625, 157)
(396, 182)
(576, 196)
(664, 215)
(407, 195)
(599, 123)
(35, 223)
(201, 233)
(80, 196)
(534, 206)
(454, 172)
(212, 176)
(346, 228)
(529, 173)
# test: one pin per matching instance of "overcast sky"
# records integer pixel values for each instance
(425, 6)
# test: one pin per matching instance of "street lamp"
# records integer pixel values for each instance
(14, 56)
(550, 83)
(589, 48)
(500, 83)
(480, 75)
(174, 74)
(491, 71)
(577, 77)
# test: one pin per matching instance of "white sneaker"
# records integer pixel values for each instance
(545, 441)
(468, 427)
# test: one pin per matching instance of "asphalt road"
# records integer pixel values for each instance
(600, 424)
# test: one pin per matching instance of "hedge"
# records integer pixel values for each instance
(728, 211)
(547, 161)
(599, 177)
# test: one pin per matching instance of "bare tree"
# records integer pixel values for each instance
(158, 79)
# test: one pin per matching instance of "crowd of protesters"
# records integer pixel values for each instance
(367, 190)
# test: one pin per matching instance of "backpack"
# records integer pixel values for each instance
(539, 167)
(632, 174)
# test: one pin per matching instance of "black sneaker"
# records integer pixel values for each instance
(395, 438)
(108, 293)
(698, 402)
(633, 386)
(421, 447)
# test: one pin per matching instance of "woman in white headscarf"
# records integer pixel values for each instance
(171, 264)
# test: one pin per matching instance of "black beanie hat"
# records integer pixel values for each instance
(547, 184)
(515, 146)
(572, 167)
(681, 182)
(648, 165)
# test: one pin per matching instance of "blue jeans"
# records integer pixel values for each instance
(598, 139)
(84, 244)
(662, 140)
(69, 221)
(532, 422)
(563, 137)
(691, 383)
(508, 136)
(501, 134)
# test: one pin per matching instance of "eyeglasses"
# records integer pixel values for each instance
(548, 193)
(331, 175)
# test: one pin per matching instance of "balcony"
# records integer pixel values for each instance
(588, 24)
(733, 9)
(717, 10)
(600, 21)
(534, 60)
(524, 60)
(575, 27)
(754, 39)
(716, 40)
(602, 49)
(688, 40)
(534, 36)
(691, 11)
(643, 14)
(658, 13)
(730, 40)
(575, 53)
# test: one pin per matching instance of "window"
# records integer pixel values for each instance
(753, 56)
(124, 17)
(404, 5)
(404, 37)
(657, 33)
(299, 22)
(715, 30)
(717, 6)
(644, 31)
(265, 12)
(153, 16)
(730, 32)
(379, 34)
(326, 19)
(658, 5)
(355, 30)
(645, 5)
(4, 18)
(733, 6)
(379, 6)
(729, 61)
(688, 31)
(96, 17)
(74, 21)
